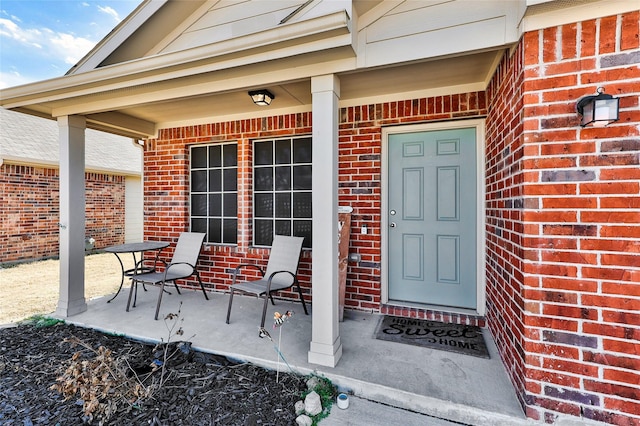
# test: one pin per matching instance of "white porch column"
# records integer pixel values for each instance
(325, 348)
(72, 216)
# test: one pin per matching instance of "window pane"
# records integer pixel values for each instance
(213, 194)
(283, 227)
(263, 179)
(199, 181)
(199, 225)
(283, 152)
(199, 157)
(230, 231)
(215, 204)
(263, 230)
(302, 177)
(215, 181)
(302, 204)
(283, 205)
(230, 180)
(263, 205)
(215, 156)
(302, 228)
(230, 156)
(215, 230)
(302, 150)
(283, 178)
(263, 153)
(230, 204)
(198, 204)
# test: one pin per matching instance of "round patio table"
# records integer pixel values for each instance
(139, 267)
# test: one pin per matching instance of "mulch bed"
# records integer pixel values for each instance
(193, 389)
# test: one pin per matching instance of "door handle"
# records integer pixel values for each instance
(392, 225)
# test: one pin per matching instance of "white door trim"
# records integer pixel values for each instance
(479, 125)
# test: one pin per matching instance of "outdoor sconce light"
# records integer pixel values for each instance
(261, 97)
(601, 109)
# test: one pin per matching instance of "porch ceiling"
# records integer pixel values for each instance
(444, 76)
(139, 111)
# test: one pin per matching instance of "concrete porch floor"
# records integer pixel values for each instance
(444, 385)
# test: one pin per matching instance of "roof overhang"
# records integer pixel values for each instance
(210, 83)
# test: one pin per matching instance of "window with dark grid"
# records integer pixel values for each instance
(214, 192)
(281, 189)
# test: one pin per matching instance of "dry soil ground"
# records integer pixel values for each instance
(32, 288)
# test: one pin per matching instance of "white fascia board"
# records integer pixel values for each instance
(577, 13)
(26, 161)
(162, 67)
(534, 2)
(227, 83)
(117, 36)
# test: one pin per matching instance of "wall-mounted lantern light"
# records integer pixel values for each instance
(599, 110)
(261, 97)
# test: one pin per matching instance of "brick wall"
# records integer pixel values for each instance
(504, 222)
(30, 212)
(166, 165)
(581, 234)
(166, 197)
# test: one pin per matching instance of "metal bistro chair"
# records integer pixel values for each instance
(281, 273)
(182, 265)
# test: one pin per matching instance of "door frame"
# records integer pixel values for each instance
(479, 125)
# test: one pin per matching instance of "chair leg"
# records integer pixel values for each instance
(202, 286)
(271, 297)
(264, 309)
(230, 302)
(133, 283)
(160, 299)
(175, 284)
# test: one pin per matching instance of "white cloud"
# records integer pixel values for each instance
(110, 11)
(70, 47)
(11, 79)
(51, 43)
(12, 30)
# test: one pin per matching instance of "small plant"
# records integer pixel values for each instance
(40, 321)
(171, 321)
(106, 384)
(101, 382)
(327, 392)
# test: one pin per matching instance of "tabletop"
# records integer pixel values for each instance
(136, 247)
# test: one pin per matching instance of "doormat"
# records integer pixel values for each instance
(460, 338)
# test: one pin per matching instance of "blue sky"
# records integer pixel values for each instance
(42, 39)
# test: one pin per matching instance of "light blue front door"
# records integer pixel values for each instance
(432, 209)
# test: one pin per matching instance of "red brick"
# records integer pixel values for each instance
(611, 389)
(607, 34)
(621, 317)
(631, 407)
(588, 38)
(569, 41)
(611, 331)
(569, 284)
(630, 30)
(555, 377)
(621, 346)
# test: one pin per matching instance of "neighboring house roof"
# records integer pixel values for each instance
(27, 139)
